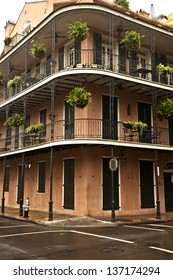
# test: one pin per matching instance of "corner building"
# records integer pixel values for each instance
(65, 169)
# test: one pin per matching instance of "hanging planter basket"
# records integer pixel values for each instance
(132, 41)
(165, 109)
(78, 30)
(14, 120)
(79, 97)
(38, 50)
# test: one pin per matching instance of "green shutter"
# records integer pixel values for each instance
(97, 48)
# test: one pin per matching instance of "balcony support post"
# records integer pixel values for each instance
(3, 189)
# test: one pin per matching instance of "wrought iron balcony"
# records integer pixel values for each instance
(91, 129)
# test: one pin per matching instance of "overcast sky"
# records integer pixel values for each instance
(12, 8)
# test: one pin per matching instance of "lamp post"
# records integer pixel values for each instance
(113, 165)
(157, 186)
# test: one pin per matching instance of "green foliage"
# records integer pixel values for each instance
(136, 126)
(132, 41)
(78, 30)
(165, 109)
(35, 128)
(79, 97)
(160, 68)
(14, 120)
(123, 3)
(2, 78)
(38, 50)
(16, 81)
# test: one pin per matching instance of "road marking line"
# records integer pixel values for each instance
(104, 237)
(158, 225)
(154, 229)
(161, 249)
(17, 226)
(67, 231)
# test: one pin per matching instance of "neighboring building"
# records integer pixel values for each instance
(65, 168)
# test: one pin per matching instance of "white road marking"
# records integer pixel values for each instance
(67, 231)
(147, 228)
(161, 249)
(17, 226)
(104, 237)
(158, 225)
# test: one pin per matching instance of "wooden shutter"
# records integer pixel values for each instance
(147, 184)
(97, 48)
(41, 177)
(69, 184)
(61, 58)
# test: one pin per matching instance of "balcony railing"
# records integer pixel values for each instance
(88, 59)
(96, 129)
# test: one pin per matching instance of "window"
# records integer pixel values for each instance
(7, 179)
(26, 27)
(41, 177)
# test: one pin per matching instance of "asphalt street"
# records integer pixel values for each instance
(27, 241)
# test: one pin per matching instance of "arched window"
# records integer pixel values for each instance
(26, 27)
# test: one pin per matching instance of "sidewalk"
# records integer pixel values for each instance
(62, 220)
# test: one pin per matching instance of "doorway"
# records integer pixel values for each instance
(168, 191)
(19, 185)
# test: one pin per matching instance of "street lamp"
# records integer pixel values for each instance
(113, 165)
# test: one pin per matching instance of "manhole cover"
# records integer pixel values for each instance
(112, 250)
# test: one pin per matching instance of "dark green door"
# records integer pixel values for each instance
(147, 184)
(107, 188)
(170, 123)
(144, 115)
(69, 121)
(19, 185)
(168, 189)
(109, 126)
(69, 184)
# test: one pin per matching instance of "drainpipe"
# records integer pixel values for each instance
(157, 186)
(51, 184)
(3, 196)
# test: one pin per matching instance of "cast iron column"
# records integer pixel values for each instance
(3, 196)
(51, 181)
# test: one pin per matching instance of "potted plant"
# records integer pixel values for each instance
(79, 97)
(78, 30)
(37, 128)
(122, 3)
(137, 126)
(14, 120)
(132, 41)
(165, 109)
(162, 69)
(16, 81)
(38, 50)
(2, 79)
(7, 41)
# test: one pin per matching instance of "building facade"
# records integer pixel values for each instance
(65, 167)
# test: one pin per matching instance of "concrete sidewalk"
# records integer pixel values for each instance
(63, 220)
